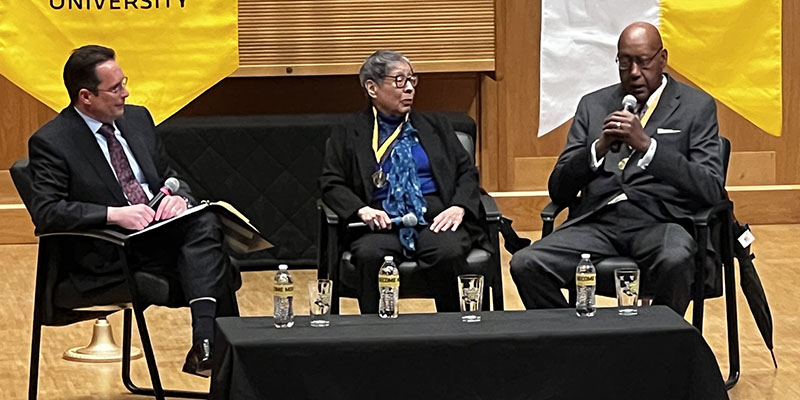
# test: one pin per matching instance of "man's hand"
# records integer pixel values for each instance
(624, 127)
(135, 217)
(448, 219)
(375, 219)
(170, 206)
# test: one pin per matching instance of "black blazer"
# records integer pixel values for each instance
(346, 180)
(684, 176)
(74, 184)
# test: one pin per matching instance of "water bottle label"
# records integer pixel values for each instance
(392, 281)
(284, 290)
(586, 279)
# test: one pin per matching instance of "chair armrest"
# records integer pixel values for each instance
(109, 235)
(703, 217)
(551, 211)
(548, 214)
(330, 217)
(490, 208)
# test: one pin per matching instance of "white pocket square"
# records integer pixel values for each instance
(663, 131)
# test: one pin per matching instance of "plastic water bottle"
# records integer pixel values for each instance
(585, 282)
(388, 288)
(284, 295)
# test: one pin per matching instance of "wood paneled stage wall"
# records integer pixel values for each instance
(477, 56)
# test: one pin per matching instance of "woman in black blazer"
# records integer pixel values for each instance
(391, 161)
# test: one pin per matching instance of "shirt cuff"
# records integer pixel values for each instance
(594, 162)
(648, 156)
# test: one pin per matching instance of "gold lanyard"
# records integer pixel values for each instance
(380, 151)
(649, 112)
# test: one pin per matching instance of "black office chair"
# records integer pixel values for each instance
(57, 303)
(334, 256)
(712, 224)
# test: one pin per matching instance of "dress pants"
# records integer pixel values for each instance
(190, 251)
(441, 258)
(664, 252)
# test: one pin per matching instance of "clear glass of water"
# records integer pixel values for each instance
(319, 302)
(470, 290)
(627, 284)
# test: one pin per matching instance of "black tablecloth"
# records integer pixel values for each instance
(545, 354)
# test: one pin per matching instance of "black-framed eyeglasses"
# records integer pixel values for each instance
(625, 63)
(400, 80)
(117, 89)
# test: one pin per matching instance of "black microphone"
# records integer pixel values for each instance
(629, 105)
(406, 220)
(171, 186)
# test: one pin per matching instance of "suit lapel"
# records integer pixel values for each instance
(667, 104)
(365, 157)
(139, 150)
(85, 140)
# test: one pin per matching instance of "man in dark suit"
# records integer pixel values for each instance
(97, 164)
(632, 201)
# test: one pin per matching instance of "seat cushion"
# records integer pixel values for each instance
(153, 289)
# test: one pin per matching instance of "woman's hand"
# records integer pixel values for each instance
(448, 219)
(375, 219)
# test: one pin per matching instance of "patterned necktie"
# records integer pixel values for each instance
(122, 168)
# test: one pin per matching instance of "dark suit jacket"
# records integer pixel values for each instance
(346, 179)
(685, 175)
(74, 184)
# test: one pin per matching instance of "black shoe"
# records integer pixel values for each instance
(198, 361)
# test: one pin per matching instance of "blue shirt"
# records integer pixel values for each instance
(386, 126)
(94, 126)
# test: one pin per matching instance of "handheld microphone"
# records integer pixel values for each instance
(406, 220)
(629, 105)
(171, 186)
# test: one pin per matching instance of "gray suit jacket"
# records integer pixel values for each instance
(685, 175)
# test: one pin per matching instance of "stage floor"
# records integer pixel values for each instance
(776, 247)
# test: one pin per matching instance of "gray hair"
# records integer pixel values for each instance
(377, 65)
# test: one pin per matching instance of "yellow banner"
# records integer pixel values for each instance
(732, 50)
(171, 50)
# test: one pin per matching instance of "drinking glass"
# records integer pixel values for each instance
(627, 283)
(470, 290)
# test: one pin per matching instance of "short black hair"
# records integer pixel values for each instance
(80, 69)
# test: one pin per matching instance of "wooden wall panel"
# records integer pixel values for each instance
(320, 37)
(20, 116)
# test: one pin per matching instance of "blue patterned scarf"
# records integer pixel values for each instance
(404, 194)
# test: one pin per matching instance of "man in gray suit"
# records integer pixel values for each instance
(633, 201)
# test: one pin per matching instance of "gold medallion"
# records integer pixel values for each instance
(379, 178)
(622, 163)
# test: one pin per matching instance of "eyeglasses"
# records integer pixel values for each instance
(117, 89)
(400, 80)
(625, 63)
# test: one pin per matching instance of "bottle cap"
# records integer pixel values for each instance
(586, 256)
(388, 258)
(283, 267)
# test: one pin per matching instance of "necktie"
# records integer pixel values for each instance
(122, 168)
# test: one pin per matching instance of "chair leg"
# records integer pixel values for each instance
(127, 327)
(33, 373)
(699, 279)
(730, 309)
(335, 299)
